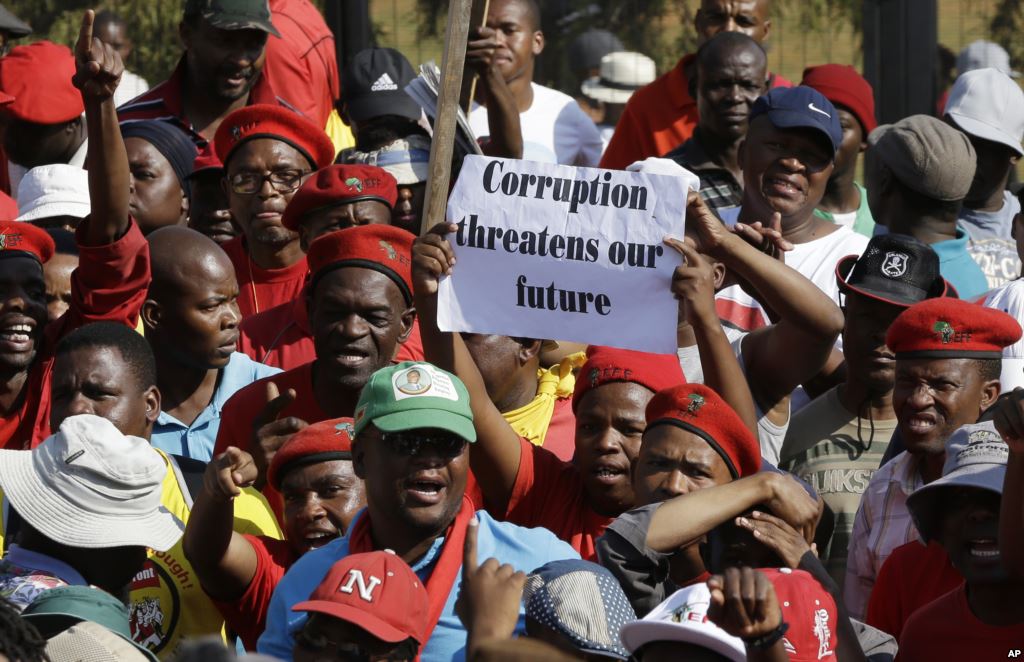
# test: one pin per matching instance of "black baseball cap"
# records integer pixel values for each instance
(373, 84)
(896, 269)
(234, 14)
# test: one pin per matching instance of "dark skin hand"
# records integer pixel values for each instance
(777, 535)
(744, 604)
(506, 137)
(1009, 421)
(270, 432)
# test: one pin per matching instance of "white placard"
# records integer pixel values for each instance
(559, 252)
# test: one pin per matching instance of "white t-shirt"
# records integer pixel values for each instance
(554, 128)
(1010, 299)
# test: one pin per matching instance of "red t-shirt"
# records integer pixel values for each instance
(549, 493)
(561, 435)
(247, 616)
(658, 118)
(8, 207)
(261, 289)
(303, 60)
(947, 629)
(109, 285)
(912, 576)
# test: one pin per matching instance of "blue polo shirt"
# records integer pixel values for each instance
(196, 441)
(958, 267)
(524, 549)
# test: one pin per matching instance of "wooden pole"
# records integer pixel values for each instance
(477, 19)
(439, 170)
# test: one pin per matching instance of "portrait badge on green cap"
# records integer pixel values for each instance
(411, 396)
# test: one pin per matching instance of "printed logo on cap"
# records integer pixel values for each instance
(384, 84)
(823, 633)
(389, 249)
(811, 106)
(346, 428)
(355, 580)
(695, 612)
(423, 380)
(985, 446)
(696, 402)
(10, 240)
(353, 182)
(895, 264)
(945, 331)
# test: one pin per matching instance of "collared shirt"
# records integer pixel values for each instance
(718, 186)
(523, 549)
(196, 441)
(958, 267)
(25, 574)
(882, 524)
(302, 60)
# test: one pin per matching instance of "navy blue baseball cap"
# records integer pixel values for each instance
(800, 107)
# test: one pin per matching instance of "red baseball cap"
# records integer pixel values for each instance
(842, 85)
(377, 592)
(38, 76)
(951, 328)
(606, 365)
(383, 248)
(338, 185)
(810, 612)
(321, 442)
(20, 239)
(698, 409)
(264, 120)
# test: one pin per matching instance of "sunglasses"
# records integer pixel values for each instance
(412, 443)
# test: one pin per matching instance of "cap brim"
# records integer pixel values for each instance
(923, 503)
(845, 266)
(420, 419)
(637, 634)
(593, 89)
(240, 22)
(66, 523)
(357, 617)
(55, 208)
(789, 119)
(985, 131)
(396, 102)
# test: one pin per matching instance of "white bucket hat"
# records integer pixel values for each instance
(91, 486)
(683, 617)
(405, 159)
(53, 190)
(988, 104)
(622, 74)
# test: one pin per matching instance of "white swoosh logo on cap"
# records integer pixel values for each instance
(818, 110)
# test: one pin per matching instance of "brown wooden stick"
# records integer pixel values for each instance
(439, 170)
(477, 19)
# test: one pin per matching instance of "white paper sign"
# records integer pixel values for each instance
(558, 252)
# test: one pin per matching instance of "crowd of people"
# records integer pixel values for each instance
(231, 425)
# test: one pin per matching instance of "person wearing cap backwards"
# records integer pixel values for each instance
(988, 106)
(947, 372)
(917, 173)
(313, 472)
(220, 71)
(160, 158)
(267, 152)
(787, 159)
(359, 300)
(385, 617)
(208, 209)
(982, 618)
(190, 319)
(661, 116)
(113, 272)
(411, 450)
(45, 122)
(845, 201)
(336, 197)
(732, 73)
(837, 442)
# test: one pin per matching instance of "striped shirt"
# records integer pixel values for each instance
(882, 524)
(718, 187)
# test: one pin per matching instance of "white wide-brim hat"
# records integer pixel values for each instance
(53, 190)
(90, 486)
(622, 74)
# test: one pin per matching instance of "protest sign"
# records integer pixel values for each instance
(559, 252)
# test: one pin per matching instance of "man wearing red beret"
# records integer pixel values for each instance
(267, 152)
(360, 308)
(313, 472)
(948, 359)
(220, 71)
(112, 276)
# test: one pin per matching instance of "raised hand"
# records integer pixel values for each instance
(1008, 417)
(777, 535)
(432, 257)
(228, 473)
(269, 432)
(767, 239)
(693, 284)
(481, 49)
(707, 231)
(98, 67)
(488, 602)
(743, 603)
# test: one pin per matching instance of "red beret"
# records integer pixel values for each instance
(320, 442)
(841, 84)
(24, 239)
(606, 365)
(383, 248)
(700, 410)
(337, 185)
(951, 328)
(38, 76)
(270, 121)
(206, 161)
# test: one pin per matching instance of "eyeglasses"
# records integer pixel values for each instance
(412, 443)
(282, 181)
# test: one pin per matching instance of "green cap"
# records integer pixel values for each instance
(414, 396)
(234, 14)
(57, 609)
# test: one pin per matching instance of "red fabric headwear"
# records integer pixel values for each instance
(24, 239)
(700, 410)
(206, 161)
(338, 185)
(810, 612)
(951, 328)
(320, 442)
(38, 76)
(383, 248)
(841, 84)
(607, 364)
(270, 121)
